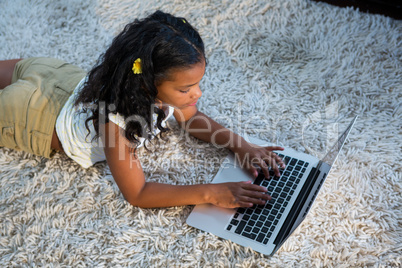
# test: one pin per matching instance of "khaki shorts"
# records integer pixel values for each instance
(30, 105)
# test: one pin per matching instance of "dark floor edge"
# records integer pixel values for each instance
(389, 8)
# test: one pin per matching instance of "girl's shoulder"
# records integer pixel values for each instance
(117, 119)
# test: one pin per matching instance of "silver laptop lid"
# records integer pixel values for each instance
(332, 154)
(294, 219)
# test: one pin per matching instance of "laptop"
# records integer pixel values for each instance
(264, 228)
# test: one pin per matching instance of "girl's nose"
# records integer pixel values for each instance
(197, 93)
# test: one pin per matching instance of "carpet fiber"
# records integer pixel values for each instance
(293, 72)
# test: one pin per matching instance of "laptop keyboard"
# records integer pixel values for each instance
(258, 222)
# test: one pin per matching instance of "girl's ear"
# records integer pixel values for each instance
(158, 101)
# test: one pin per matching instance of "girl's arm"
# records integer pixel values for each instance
(249, 155)
(129, 176)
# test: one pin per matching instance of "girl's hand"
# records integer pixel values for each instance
(237, 194)
(250, 156)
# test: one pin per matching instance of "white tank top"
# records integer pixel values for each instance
(73, 135)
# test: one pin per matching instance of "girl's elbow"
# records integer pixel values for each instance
(137, 201)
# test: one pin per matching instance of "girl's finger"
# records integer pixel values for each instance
(244, 204)
(249, 186)
(253, 171)
(264, 166)
(256, 191)
(274, 148)
(276, 156)
(272, 163)
(278, 159)
(256, 201)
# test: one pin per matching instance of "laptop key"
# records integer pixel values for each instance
(256, 230)
(246, 234)
(269, 234)
(240, 227)
(241, 210)
(260, 237)
(268, 223)
(234, 222)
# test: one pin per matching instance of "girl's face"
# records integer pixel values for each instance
(182, 89)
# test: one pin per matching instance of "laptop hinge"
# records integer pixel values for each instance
(296, 208)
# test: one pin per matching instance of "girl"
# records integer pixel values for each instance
(152, 70)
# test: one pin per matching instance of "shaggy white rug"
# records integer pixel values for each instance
(288, 71)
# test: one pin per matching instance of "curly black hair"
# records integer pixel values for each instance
(163, 42)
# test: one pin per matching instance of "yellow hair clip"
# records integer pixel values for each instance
(137, 67)
(184, 20)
